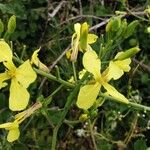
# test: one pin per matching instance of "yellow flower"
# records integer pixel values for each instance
(120, 66)
(21, 78)
(81, 40)
(35, 60)
(13, 127)
(88, 93)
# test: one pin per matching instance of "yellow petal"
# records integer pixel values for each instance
(81, 73)
(35, 60)
(77, 28)
(7, 125)
(5, 51)
(19, 96)
(114, 71)
(21, 116)
(75, 49)
(92, 63)
(25, 74)
(117, 68)
(124, 64)
(68, 54)
(10, 65)
(114, 93)
(13, 135)
(3, 77)
(91, 38)
(87, 95)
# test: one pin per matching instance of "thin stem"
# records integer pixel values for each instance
(51, 77)
(57, 90)
(23, 52)
(74, 71)
(92, 134)
(70, 100)
(132, 129)
(134, 105)
(54, 138)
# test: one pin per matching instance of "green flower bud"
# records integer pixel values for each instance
(113, 25)
(148, 29)
(147, 11)
(1, 26)
(133, 42)
(108, 26)
(94, 113)
(128, 53)
(11, 24)
(131, 28)
(116, 24)
(84, 35)
(120, 12)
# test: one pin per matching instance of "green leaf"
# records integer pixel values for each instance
(54, 115)
(140, 145)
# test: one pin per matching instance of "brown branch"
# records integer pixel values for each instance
(53, 65)
(145, 67)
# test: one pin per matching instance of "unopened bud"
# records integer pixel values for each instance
(148, 29)
(1, 26)
(128, 53)
(11, 24)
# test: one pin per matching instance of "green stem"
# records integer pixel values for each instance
(70, 100)
(54, 138)
(134, 105)
(23, 52)
(74, 71)
(92, 134)
(57, 90)
(51, 77)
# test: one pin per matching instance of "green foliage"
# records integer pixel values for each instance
(107, 125)
(140, 145)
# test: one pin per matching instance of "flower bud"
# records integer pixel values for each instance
(148, 29)
(128, 53)
(11, 24)
(84, 35)
(1, 26)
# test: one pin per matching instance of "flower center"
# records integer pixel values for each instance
(11, 73)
